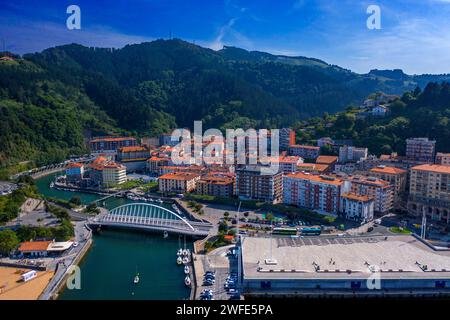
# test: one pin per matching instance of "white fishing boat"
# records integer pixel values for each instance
(187, 281)
(166, 234)
(186, 269)
(179, 260)
(136, 277)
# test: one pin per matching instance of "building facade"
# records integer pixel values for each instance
(179, 182)
(429, 192)
(113, 174)
(357, 208)
(253, 183)
(111, 144)
(288, 164)
(318, 193)
(74, 172)
(216, 185)
(420, 149)
(303, 151)
(443, 158)
(382, 191)
(352, 154)
(287, 138)
(395, 176)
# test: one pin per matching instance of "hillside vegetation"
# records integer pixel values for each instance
(52, 101)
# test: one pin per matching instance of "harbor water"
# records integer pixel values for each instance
(109, 267)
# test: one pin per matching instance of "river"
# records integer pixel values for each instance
(108, 269)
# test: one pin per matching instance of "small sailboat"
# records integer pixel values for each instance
(136, 278)
(185, 252)
(187, 281)
(186, 270)
(180, 252)
(185, 260)
(166, 234)
(179, 260)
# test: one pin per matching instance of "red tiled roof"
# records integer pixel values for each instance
(317, 178)
(179, 176)
(433, 168)
(112, 139)
(132, 149)
(34, 246)
(326, 159)
(388, 170)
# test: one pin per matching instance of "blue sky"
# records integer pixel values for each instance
(414, 35)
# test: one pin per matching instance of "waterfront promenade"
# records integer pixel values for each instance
(83, 235)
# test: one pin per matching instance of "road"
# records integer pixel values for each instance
(61, 264)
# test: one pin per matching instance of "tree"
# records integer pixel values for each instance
(76, 200)
(226, 214)
(8, 241)
(270, 217)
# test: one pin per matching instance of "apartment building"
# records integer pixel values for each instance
(113, 174)
(133, 153)
(253, 183)
(352, 154)
(303, 151)
(429, 191)
(288, 164)
(316, 192)
(358, 208)
(382, 191)
(111, 144)
(74, 172)
(155, 163)
(328, 160)
(443, 158)
(287, 138)
(420, 149)
(216, 185)
(395, 176)
(179, 182)
(314, 168)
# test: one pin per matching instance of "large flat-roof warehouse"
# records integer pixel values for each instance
(343, 265)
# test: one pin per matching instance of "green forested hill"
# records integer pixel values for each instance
(416, 114)
(51, 100)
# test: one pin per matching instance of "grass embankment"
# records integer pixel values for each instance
(400, 230)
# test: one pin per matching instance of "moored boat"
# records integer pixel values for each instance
(187, 281)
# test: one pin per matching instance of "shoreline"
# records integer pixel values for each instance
(53, 292)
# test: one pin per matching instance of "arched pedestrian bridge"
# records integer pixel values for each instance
(147, 216)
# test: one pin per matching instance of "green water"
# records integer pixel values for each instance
(111, 264)
(108, 269)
